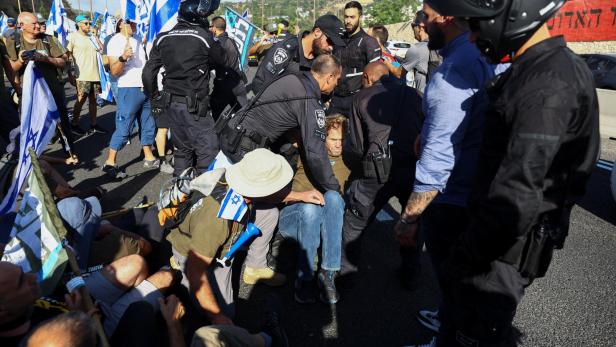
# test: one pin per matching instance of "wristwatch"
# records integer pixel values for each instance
(121, 59)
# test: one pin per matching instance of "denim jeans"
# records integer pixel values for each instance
(132, 102)
(308, 224)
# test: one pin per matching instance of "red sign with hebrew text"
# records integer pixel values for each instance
(585, 20)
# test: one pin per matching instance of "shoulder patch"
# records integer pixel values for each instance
(320, 116)
(280, 56)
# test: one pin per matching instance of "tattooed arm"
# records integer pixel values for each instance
(406, 228)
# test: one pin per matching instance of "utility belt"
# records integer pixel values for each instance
(237, 141)
(532, 252)
(194, 104)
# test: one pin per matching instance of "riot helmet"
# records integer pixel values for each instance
(502, 26)
(195, 12)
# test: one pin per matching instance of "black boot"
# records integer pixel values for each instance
(329, 294)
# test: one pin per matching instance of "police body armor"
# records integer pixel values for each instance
(235, 139)
(352, 58)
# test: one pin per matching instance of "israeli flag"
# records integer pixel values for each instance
(107, 26)
(3, 22)
(55, 22)
(233, 206)
(105, 79)
(241, 31)
(130, 10)
(163, 16)
(39, 116)
(220, 162)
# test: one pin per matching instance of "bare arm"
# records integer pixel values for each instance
(396, 71)
(310, 197)
(10, 73)
(417, 203)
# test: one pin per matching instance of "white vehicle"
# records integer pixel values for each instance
(397, 48)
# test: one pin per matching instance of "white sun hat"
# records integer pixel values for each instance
(260, 173)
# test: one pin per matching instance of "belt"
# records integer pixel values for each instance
(178, 98)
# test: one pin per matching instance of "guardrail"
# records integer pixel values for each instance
(607, 109)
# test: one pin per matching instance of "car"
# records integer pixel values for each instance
(603, 67)
(397, 48)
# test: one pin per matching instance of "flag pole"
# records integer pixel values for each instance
(33, 10)
(91, 12)
(72, 260)
(19, 5)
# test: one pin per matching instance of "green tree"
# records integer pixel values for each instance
(391, 11)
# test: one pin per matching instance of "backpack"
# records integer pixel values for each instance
(62, 73)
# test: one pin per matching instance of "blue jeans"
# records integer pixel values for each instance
(130, 103)
(308, 224)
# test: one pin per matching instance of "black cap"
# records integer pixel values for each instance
(332, 27)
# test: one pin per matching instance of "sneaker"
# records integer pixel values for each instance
(165, 167)
(77, 130)
(329, 294)
(305, 292)
(151, 164)
(432, 343)
(113, 171)
(272, 314)
(429, 319)
(264, 275)
(97, 129)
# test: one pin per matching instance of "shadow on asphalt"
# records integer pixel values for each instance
(601, 203)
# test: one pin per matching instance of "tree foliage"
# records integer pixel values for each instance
(391, 11)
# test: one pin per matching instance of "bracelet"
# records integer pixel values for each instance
(408, 222)
(75, 283)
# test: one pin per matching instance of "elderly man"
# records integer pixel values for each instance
(83, 48)
(49, 55)
(201, 237)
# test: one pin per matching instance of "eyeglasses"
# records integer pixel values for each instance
(86, 23)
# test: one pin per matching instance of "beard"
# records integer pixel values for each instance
(318, 50)
(436, 37)
(351, 28)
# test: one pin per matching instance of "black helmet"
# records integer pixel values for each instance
(196, 11)
(503, 26)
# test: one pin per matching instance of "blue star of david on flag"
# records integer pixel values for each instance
(233, 206)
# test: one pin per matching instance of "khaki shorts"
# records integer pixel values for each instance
(111, 247)
(84, 88)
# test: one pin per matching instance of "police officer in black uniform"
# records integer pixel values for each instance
(359, 50)
(230, 81)
(541, 142)
(187, 52)
(384, 123)
(290, 102)
(294, 53)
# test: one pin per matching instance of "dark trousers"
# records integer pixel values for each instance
(366, 197)
(60, 98)
(340, 104)
(194, 138)
(226, 95)
(478, 310)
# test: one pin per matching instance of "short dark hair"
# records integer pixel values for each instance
(219, 23)
(380, 32)
(354, 4)
(305, 33)
(325, 64)
(285, 23)
(79, 327)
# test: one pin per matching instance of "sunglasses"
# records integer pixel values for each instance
(86, 23)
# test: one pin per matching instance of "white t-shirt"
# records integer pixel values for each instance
(131, 76)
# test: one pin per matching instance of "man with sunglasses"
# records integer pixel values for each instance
(540, 144)
(295, 53)
(83, 48)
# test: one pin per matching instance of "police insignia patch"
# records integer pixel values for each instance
(280, 56)
(320, 116)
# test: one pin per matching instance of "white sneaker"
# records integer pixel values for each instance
(432, 343)
(429, 319)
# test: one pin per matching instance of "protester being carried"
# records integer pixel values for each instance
(309, 223)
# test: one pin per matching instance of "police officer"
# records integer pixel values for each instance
(187, 52)
(295, 54)
(292, 101)
(541, 142)
(384, 122)
(359, 50)
(230, 81)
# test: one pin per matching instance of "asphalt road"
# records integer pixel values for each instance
(574, 305)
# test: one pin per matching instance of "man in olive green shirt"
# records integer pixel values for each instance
(260, 177)
(309, 223)
(48, 55)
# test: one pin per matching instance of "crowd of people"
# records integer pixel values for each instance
(486, 132)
